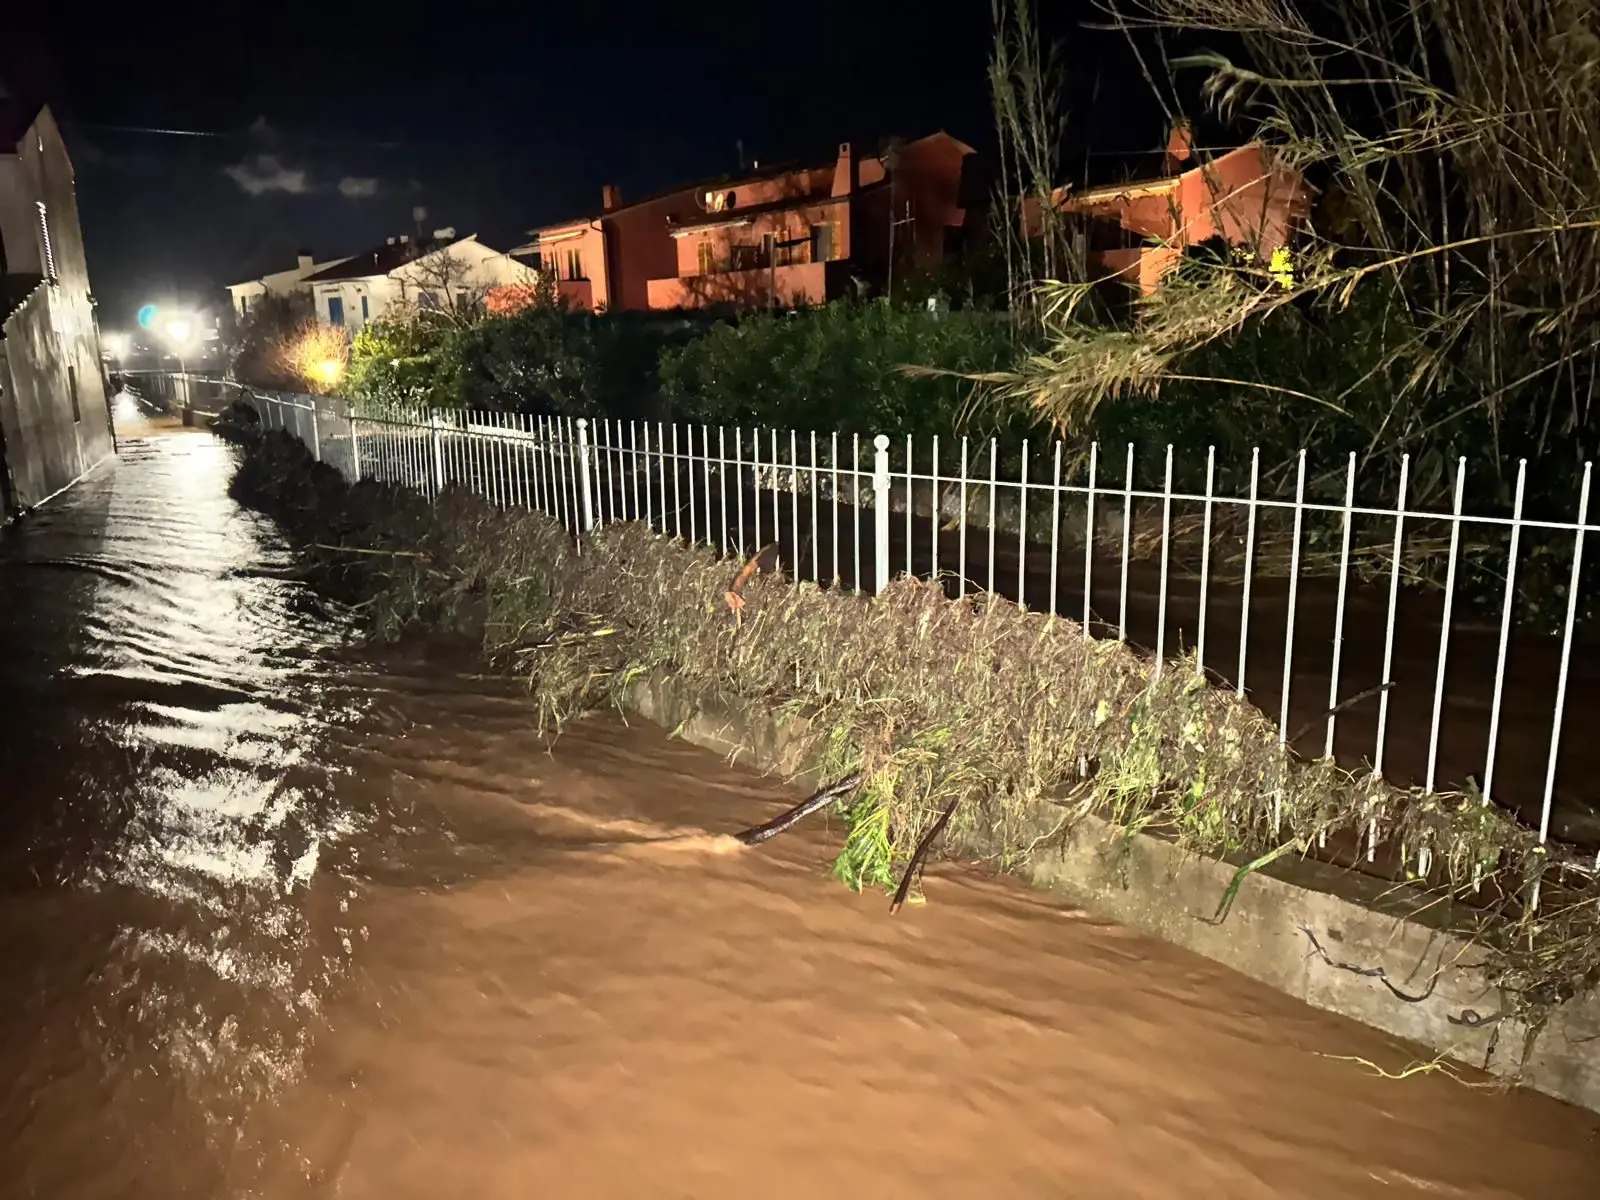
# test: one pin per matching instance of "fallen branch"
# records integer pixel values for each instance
(365, 550)
(734, 596)
(792, 817)
(1339, 708)
(921, 852)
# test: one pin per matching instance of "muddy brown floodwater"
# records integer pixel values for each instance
(282, 917)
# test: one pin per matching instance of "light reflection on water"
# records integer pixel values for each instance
(179, 700)
(571, 986)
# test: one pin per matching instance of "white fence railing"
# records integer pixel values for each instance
(1308, 606)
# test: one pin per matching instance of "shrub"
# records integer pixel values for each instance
(260, 344)
(842, 366)
(402, 361)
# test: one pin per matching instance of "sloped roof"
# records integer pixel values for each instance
(378, 261)
(773, 170)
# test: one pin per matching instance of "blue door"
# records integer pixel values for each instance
(335, 310)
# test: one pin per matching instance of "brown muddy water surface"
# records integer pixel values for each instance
(282, 917)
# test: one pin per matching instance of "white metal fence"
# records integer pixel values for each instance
(1328, 635)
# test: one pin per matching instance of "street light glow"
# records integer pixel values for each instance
(330, 370)
(116, 345)
(178, 330)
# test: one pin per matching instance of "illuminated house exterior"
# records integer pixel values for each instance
(799, 236)
(1139, 230)
(783, 236)
(54, 421)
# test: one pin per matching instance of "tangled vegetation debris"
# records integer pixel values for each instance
(998, 726)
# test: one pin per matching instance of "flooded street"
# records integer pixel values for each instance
(285, 917)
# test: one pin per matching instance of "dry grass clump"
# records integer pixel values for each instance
(1015, 717)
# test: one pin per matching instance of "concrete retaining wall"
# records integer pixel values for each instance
(1151, 885)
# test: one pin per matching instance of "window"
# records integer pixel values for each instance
(335, 310)
(825, 241)
(244, 306)
(365, 313)
(47, 251)
(72, 391)
(708, 258)
(748, 258)
(575, 264)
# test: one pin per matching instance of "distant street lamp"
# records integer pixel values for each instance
(179, 331)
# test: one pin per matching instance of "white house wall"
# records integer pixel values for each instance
(481, 268)
(378, 291)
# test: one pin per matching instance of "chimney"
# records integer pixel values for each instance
(844, 171)
(447, 234)
(1180, 145)
(610, 198)
(305, 261)
(391, 241)
(403, 239)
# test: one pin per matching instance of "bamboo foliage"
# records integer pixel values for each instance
(1458, 149)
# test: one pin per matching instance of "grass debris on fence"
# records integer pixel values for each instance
(1014, 718)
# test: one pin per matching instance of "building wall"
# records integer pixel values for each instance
(53, 412)
(1241, 197)
(926, 184)
(784, 224)
(480, 269)
(856, 196)
(640, 247)
(588, 239)
(477, 267)
(794, 286)
(377, 290)
(243, 296)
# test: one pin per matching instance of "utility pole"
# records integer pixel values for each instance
(908, 219)
(891, 161)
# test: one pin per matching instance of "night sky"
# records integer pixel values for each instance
(326, 124)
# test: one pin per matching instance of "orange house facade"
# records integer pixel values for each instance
(786, 237)
(605, 261)
(1139, 231)
(800, 236)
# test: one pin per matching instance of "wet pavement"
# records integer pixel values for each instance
(284, 917)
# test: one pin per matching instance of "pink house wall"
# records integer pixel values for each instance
(855, 194)
(784, 224)
(1243, 197)
(589, 240)
(640, 246)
